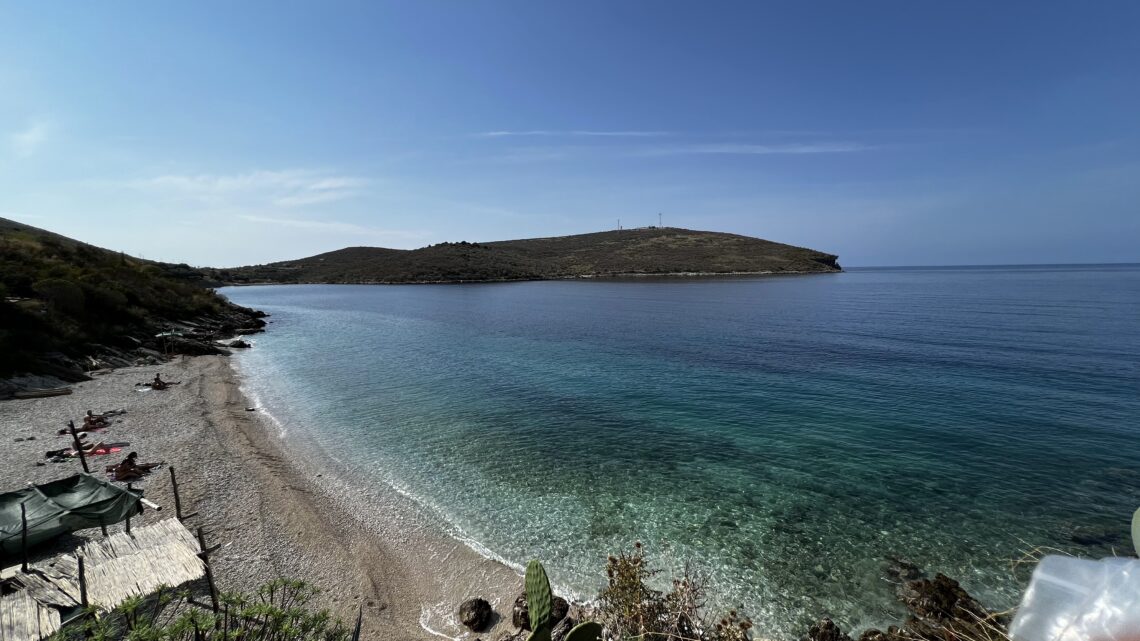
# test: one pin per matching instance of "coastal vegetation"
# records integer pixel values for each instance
(627, 609)
(631, 252)
(67, 307)
(280, 610)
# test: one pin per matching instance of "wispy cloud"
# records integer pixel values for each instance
(287, 188)
(532, 154)
(678, 144)
(333, 226)
(27, 141)
(571, 133)
(755, 149)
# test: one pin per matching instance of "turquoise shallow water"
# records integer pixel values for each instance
(784, 434)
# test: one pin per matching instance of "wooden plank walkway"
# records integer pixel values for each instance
(116, 568)
(126, 565)
(22, 618)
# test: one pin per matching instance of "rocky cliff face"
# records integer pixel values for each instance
(147, 345)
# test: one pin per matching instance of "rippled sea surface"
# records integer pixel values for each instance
(787, 435)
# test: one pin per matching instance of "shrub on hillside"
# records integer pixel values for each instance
(63, 295)
(79, 295)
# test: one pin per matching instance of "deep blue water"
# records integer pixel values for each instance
(785, 434)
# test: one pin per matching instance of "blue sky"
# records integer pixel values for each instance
(891, 133)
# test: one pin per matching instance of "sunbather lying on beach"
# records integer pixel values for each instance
(131, 470)
(91, 448)
(87, 447)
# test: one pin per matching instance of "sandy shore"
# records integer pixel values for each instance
(276, 507)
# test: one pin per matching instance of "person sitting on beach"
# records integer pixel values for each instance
(93, 421)
(131, 470)
(158, 383)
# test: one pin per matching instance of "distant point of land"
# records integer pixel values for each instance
(646, 251)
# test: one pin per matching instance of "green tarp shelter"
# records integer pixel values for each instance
(73, 503)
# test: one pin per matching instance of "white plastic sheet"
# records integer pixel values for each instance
(1080, 600)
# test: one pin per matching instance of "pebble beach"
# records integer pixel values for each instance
(273, 504)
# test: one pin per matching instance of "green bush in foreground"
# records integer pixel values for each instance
(631, 610)
(278, 612)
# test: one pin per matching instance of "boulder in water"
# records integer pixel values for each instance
(1099, 535)
(941, 600)
(941, 610)
(900, 570)
(825, 630)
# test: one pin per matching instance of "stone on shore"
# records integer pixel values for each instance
(520, 615)
(941, 600)
(475, 614)
(562, 628)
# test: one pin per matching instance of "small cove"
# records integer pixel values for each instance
(785, 434)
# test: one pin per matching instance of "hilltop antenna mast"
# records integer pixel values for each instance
(659, 220)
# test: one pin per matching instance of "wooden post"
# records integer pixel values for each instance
(177, 499)
(209, 573)
(78, 447)
(359, 620)
(24, 536)
(128, 523)
(82, 584)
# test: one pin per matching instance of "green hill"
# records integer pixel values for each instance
(67, 307)
(647, 251)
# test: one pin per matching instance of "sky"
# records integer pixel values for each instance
(889, 133)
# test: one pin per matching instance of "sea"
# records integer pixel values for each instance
(787, 438)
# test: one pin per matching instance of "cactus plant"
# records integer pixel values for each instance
(588, 631)
(541, 634)
(539, 601)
